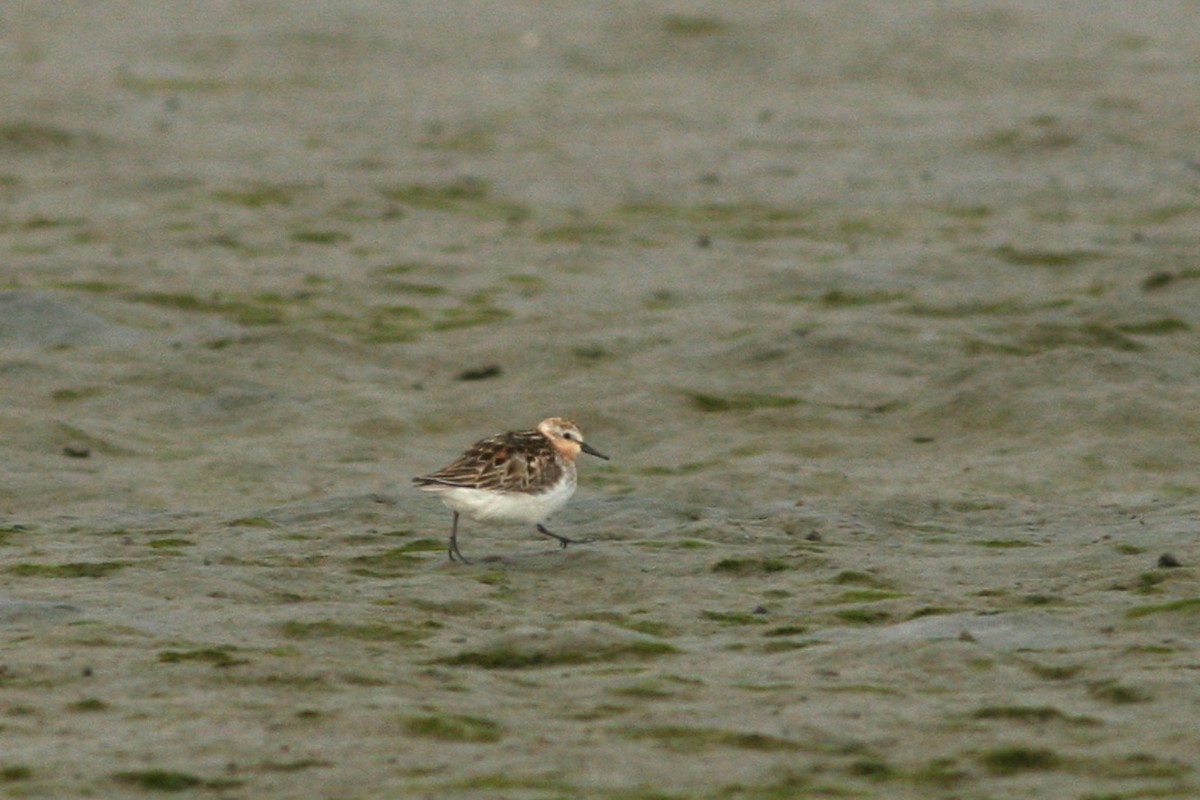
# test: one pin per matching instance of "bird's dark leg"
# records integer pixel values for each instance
(454, 551)
(562, 540)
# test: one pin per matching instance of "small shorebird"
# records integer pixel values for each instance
(523, 476)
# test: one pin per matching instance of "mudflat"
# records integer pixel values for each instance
(886, 314)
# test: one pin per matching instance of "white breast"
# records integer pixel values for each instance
(483, 505)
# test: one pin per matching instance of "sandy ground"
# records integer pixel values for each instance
(887, 314)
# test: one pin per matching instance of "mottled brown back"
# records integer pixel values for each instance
(519, 461)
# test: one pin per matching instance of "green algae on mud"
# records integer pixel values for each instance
(454, 728)
(78, 569)
(509, 657)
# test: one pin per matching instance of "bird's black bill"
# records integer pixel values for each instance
(591, 451)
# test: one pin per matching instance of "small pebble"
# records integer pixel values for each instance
(1167, 560)
(1157, 280)
(813, 536)
(480, 374)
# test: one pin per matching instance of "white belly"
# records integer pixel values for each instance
(484, 506)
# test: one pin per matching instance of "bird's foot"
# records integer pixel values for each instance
(563, 541)
(454, 551)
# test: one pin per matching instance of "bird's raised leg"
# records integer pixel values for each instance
(562, 540)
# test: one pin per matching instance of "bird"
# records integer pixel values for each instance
(522, 476)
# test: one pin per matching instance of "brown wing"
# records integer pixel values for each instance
(522, 461)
